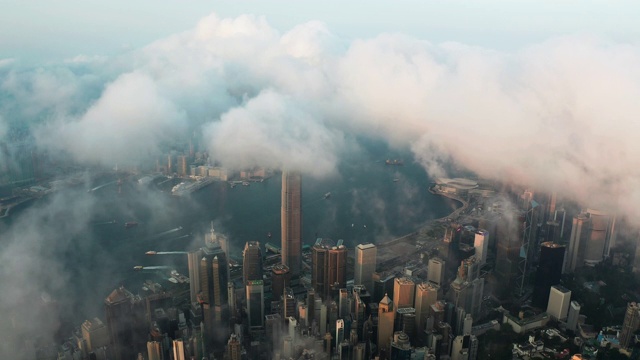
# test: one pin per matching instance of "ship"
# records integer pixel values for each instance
(327, 195)
(130, 224)
(138, 268)
(151, 252)
(185, 188)
(394, 162)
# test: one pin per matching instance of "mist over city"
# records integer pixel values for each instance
(361, 162)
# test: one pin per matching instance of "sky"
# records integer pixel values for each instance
(44, 30)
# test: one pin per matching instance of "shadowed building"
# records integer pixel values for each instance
(548, 273)
(291, 221)
(213, 295)
(630, 324)
(251, 262)
(126, 323)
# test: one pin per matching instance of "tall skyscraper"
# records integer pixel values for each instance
(403, 293)
(213, 295)
(255, 303)
(234, 348)
(598, 237)
(426, 295)
(291, 221)
(481, 245)
(435, 271)
(574, 314)
(154, 350)
(548, 273)
(319, 258)
(365, 265)
(508, 256)
(386, 317)
(559, 299)
(336, 268)
(126, 323)
(193, 258)
(251, 262)
(179, 350)
(630, 324)
(577, 242)
(95, 334)
(280, 278)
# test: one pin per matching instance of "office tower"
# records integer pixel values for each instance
(339, 331)
(481, 245)
(234, 348)
(95, 334)
(288, 347)
(383, 283)
(289, 306)
(319, 255)
(464, 347)
(336, 269)
(311, 305)
(559, 298)
(467, 289)
(213, 295)
(467, 325)
(193, 258)
(322, 324)
(126, 323)
(255, 303)
(182, 165)
(406, 321)
(426, 295)
(344, 303)
(508, 244)
(400, 346)
(365, 265)
(154, 350)
(291, 221)
(280, 279)
(403, 293)
(598, 237)
(251, 262)
(273, 324)
(178, 350)
(386, 317)
(577, 242)
(359, 351)
(231, 293)
(574, 315)
(548, 273)
(630, 324)
(435, 271)
(302, 314)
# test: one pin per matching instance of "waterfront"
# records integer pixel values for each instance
(93, 252)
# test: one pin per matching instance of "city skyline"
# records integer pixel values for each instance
(113, 118)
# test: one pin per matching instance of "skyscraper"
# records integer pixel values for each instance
(194, 274)
(319, 255)
(255, 303)
(559, 298)
(336, 268)
(630, 324)
(548, 273)
(435, 271)
(386, 317)
(403, 293)
(365, 265)
(577, 242)
(574, 314)
(213, 295)
(179, 350)
(280, 278)
(481, 245)
(126, 324)
(251, 262)
(426, 295)
(291, 221)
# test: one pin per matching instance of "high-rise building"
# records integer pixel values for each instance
(255, 303)
(193, 258)
(179, 350)
(213, 295)
(280, 279)
(509, 242)
(339, 331)
(386, 317)
(126, 323)
(154, 350)
(289, 304)
(336, 268)
(598, 237)
(251, 262)
(319, 259)
(95, 334)
(630, 324)
(382, 284)
(234, 348)
(400, 346)
(435, 271)
(344, 303)
(365, 265)
(548, 273)
(291, 221)
(403, 293)
(481, 245)
(574, 315)
(559, 299)
(426, 295)
(577, 242)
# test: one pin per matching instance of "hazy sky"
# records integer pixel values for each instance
(41, 30)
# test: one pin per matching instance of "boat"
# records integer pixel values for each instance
(245, 183)
(396, 180)
(394, 162)
(327, 195)
(151, 252)
(130, 224)
(269, 234)
(138, 268)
